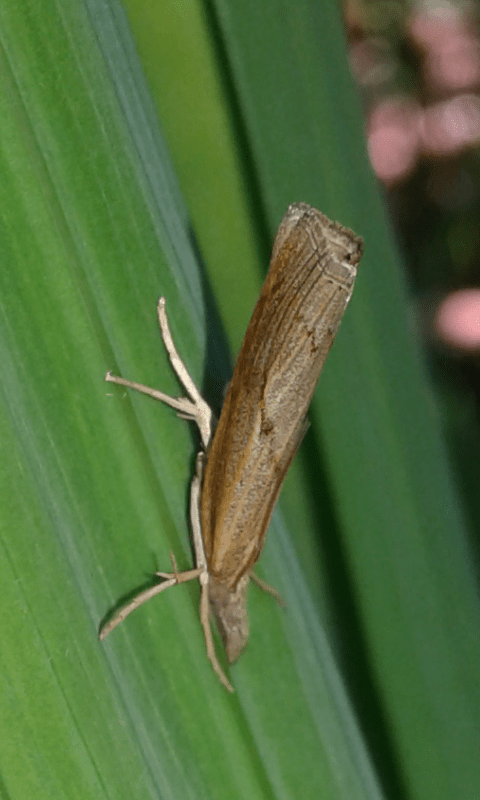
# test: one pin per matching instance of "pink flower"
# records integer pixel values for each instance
(393, 139)
(457, 321)
(451, 126)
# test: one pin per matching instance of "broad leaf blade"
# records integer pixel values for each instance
(94, 480)
(402, 554)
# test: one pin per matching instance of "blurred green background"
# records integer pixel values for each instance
(152, 149)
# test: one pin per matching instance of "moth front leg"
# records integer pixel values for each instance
(201, 563)
(175, 577)
(170, 579)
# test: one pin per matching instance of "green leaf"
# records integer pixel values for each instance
(94, 485)
(399, 596)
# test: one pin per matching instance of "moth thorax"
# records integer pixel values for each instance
(230, 610)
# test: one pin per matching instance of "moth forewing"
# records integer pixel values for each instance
(306, 291)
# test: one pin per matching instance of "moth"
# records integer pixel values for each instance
(244, 459)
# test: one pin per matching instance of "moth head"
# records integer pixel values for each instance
(230, 611)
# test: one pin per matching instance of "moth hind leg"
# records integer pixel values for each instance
(193, 407)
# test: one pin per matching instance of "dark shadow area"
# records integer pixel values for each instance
(218, 366)
(349, 643)
(251, 189)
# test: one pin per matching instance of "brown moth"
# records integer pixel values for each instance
(242, 465)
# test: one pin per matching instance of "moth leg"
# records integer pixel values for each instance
(267, 588)
(203, 413)
(205, 620)
(172, 578)
(195, 408)
(201, 562)
(195, 523)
